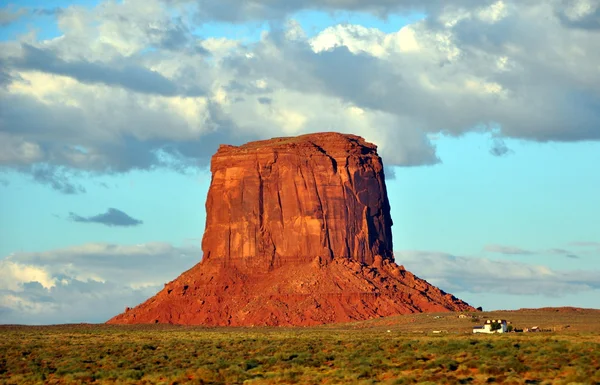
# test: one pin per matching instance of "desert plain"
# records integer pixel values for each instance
(426, 348)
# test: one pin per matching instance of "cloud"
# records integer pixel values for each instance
(584, 14)
(104, 91)
(47, 11)
(510, 250)
(585, 248)
(558, 251)
(112, 217)
(499, 148)
(585, 244)
(238, 11)
(134, 77)
(93, 282)
(561, 252)
(86, 283)
(16, 150)
(390, 172)
(481, 275)
(15, 275)
(58, 178)
(264, 100)
(8, 16)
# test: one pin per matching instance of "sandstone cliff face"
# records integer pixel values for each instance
(290, 200)
(298, 232)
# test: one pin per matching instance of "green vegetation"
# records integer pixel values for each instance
(78, 354)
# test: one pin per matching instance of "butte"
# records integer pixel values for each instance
(298, 232)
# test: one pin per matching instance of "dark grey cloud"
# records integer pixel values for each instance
(127, 75)
(112, 217)
(58, 178)
(237, 11)
(499, 148)
(5, 77)
(356, 78)
(337, 72)
(176, 36)
(55, 121)
(264, 100)
(575, 14)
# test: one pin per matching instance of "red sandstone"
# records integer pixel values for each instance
(298, 232)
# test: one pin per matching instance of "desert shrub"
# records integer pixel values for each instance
(159, 354)
(496, 326)
(403, 381)
(251, 364)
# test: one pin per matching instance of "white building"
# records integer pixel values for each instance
(502, 327)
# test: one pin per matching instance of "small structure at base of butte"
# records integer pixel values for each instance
(492, 326)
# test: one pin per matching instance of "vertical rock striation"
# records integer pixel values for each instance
(298, 232)
(289, 200)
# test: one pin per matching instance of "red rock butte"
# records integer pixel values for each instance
(298, 232)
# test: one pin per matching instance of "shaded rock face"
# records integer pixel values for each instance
(298, 232)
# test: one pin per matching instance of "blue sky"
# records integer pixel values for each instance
(492, 163)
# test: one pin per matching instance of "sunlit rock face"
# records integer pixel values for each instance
(298, 232)
(289, 200)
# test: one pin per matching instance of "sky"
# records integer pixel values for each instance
(486, 115)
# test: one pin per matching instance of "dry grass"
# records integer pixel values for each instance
(356, 353)
(564, 320)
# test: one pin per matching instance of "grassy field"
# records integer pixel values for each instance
(389, 351)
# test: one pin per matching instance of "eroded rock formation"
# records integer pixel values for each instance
(289, 200)
(298, 232)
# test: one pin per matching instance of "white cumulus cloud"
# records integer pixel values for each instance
(86, 283)
(128, 86)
